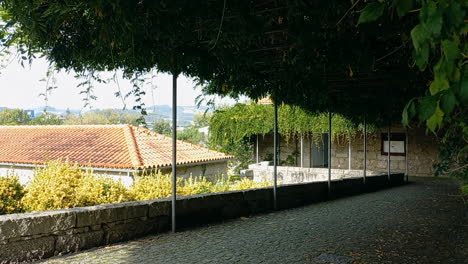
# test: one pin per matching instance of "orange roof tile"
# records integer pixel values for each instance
(100, 146)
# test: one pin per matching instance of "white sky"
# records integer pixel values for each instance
(20, 88)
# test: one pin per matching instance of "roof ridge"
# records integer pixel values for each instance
(133, 148)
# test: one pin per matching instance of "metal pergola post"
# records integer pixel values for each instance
(349, 154)
(174, 149)
(365, 151)
(406, 156)
(257, 158)
(388, 152)
(275, 154)
(329, 149)
(302, 150)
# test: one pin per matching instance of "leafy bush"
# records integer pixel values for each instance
(101, 190)
(62, 185)
(153, 186)
(11, 193)
(246, 184)
(157, 186)
(464, 189)
(193, 185)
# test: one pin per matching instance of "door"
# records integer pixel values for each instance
(319, 152)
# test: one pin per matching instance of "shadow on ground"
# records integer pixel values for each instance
(422, 222)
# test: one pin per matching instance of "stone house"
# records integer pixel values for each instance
(306, 158)
(119, 151)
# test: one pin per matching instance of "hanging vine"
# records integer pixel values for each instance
(242, 121)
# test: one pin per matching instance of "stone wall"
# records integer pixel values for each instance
(209, 170)
(32, 236)
(292, 175)
(421, 153)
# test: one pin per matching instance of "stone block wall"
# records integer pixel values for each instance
(421, 153)
(210, 170)
(39, 235)
(293, 175)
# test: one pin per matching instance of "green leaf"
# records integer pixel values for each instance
(409, 112)
(419, 36)
(450, 49)
(431, 16)
(435, 121)
(426, 107)
(456, 14)
(440, 69)
(462, 90)
(439, 85)
(422, 56)
(403, 6)
(448, 101)
(371, 12)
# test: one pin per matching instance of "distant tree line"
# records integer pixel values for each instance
(191, 134)
(99, 117)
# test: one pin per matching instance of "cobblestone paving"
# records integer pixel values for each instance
(422, 222)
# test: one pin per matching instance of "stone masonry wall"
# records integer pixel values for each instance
(38, 235)
(422, 152)
(209, 170)
(293, 175)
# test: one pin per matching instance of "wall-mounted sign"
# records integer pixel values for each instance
(397, 144)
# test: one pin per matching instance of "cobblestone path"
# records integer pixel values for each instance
(422, 222)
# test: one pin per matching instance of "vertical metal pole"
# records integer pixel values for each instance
(365, 150)
(349, 154)
(275, 155)
(406, 156)
(302, 150)
(174, 149)
(311, 162)
(388, 152)
(257, 151)
(329, 149)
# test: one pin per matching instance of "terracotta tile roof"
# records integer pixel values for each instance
(100, 146)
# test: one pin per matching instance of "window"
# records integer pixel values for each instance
(397, 144)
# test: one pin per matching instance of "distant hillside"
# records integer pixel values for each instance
(185, 114)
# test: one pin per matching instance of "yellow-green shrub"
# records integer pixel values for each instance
(245, 184)
(464, 189)
(62, 185)
(101, 190)
(153, 186)
(194, 185)
(156, 186)
(11, 192)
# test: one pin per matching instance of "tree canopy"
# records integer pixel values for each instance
(357, 58)
(308, 53)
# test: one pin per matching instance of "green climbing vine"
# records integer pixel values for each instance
(242, 121)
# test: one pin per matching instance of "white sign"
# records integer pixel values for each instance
(395, 146)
